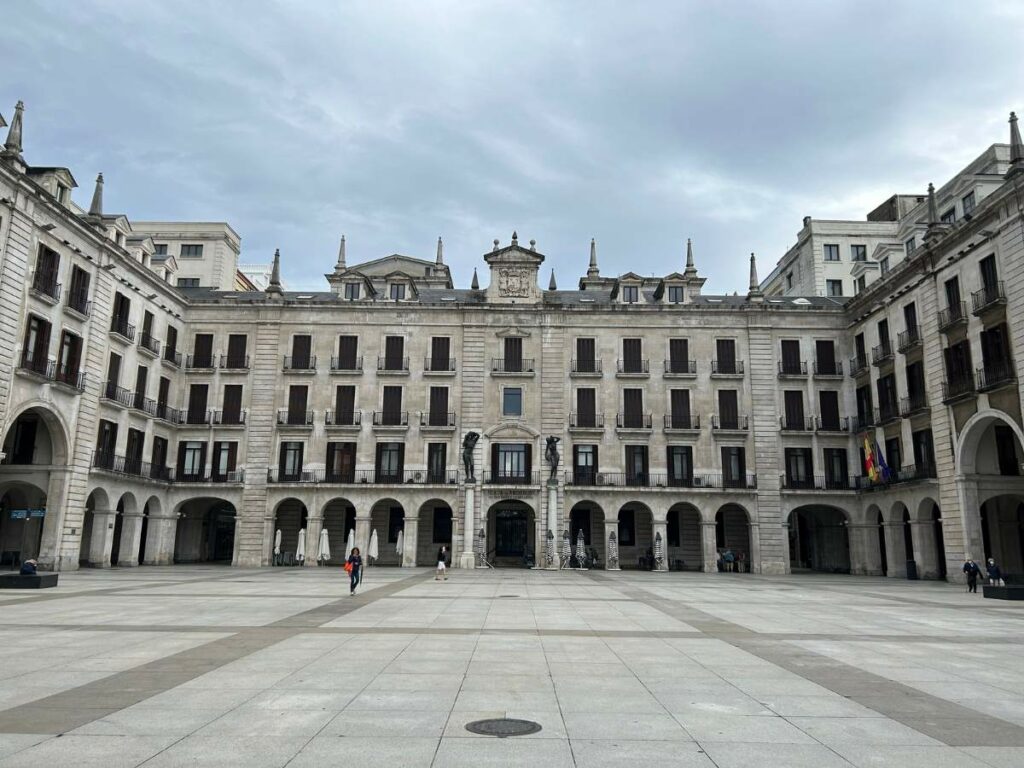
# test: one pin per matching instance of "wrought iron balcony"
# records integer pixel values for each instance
(304, 364)
(908, 339)
(826, 370)
(681, 367)
(130, 465)
(887, 413)
(347, 364)
(913, 404)
(439, 365)
(858, 365)
(78, 301)
(840, 424)
(682, 421)
(792, 369)
(730, 424)
(798, 424)
(234, 362)
(882, 354)
(121, 327)
(149, 344)
(633, 420)
(952, 317)
(988, 298)
(502, 365)
(293, 418)
(958, 389)
(726, 367)
(393, 364)
(586, 420)
(437, 419)
(46, 285)
(995, 375)
(391, 418)
(512, 477)
(171, 357)
(343, 418)
(229, 418)
(196, 417)
(585, 367)
(633, 367)
(818, 483)
(199, 363)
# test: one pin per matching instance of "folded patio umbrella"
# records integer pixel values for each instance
(659, 549)
(400, 544)
(323, 550)
(371, 549)
(566, 550)
(613, 550)
(581, 548)
(300, 550)
(350, 544)
(277, 542)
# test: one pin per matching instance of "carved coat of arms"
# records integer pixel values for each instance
(514, 281)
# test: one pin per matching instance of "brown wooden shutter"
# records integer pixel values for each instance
(585, 355)
(631, 355)
(494, 461)
(513, 354)
(529, 462)
(440, 353)
(232, 403)
(236, 350)
(829, 401)
(181, 459)
(394, 353)
(439, 406)
(586, 409)
(301, 346)
(197, 403)
(348, 349)
(681, 408)
(725, 350)
(633, 406)
(297, 404)
(728, 408)
(791, 356)
(344, 404)
(825, 355)
(392, 402)
(794, 409)
(679, 355)
(203, 352)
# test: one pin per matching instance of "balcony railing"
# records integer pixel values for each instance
(863, 421)
(397, 364)
(437, 419)
(199, 363)
(511, 477)
(229, 418)
(840, 424)
(958, 388)
(343, 418)
(708, 480)
(120, 395)
(347, 364)
(63, 375)
(38, 365)
(47, 285)
(228, 477)
(796, 424)
(78, 301)
(988, 297)
(681, 367)
(737, 424)
(586, 420)
(913, 404)
(633, 420)
(148, 343)
(818, 483)
(585, 366)
(682, 421)
(172, 357)
(791, 368)
(726, 367)
(122, 327)
(234, 362)
(306, 363)
(501, 365)
(391, 418)
(164, 412)
(196, 417)
(826, 369)
(858, 365)
(135, 467)
(952, 316)
(882, 353)
(908, 474)
(908, 339)
(633, 366)
(995, 375)
(439, 365)
(887, 413)
(365, 477)
(292, 418)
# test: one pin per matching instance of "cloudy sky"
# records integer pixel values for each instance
(639, 124)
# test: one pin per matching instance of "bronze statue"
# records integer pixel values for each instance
(551, 454)
(468, 444)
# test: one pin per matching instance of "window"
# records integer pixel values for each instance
(302, 347)
(44, 279)
(831, 251)
(968, 203)
(133, 450)
(949, 216)
(191, 251)
(953, 296)
(171, 343)
(586, 359)
(196, 413)
(790, 353)
(141, 375)
(290, 461)
(996, 355)
(632, 356)
(297, 398)
(344, 404)
(122, 310)
(858, 253)
(883, 264)
(62, 194)
(725, 351)
(391, 406)
(887, 399)
(513, 355)
(225, 454)
(437, 462)
(159, 249)
(232, 410)
(586, 407)
(799, 471)
(893, 454)
(833, 288)
(679, 356)
(191, 459)
(680, 465)
(734, 466)
(512, 401)
(633, 409)
(351, 291)
(69, 358)
(158, 457)
(627, 528)
(348, 349)
(341, 462)
(78, 294)
(442, 533)
(789, 281)
(636, 465)
(106, 443)
(675, 294)
(794, 409)
(510, 462)
(584, 464)
(237, 358)
(865, 410)
(989, 273)
(679, 401)
(915, 382)
(396, 522)
(113, 375)
(828, 403)
(440, 354)
(188, 282)
(836, 473)
(958, 365)
(438, 412)
(862, 283)
(924, 451)
(390, 462)
(397, 291)
(728, 409)
(825, 354)
(630, 294)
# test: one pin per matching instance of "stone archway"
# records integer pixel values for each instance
(511, 534)
(205, 531)
(127, 530)
(387, 518)
(636, 536)
(685, 549)
(21, 523)
(732, 534)
(434, 527)
(1002, 518)
(290, 518)
(588, 517)
(339, 517)
(819, 539)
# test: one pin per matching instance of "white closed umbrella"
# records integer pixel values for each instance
(613, 550)
(372, 549)
(300, 549)
(350, 544)
(400, 544)
(323, 549)
(659, 551)
(277, 542)
(566, 552)
(581, 548)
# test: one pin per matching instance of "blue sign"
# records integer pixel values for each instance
(24, 514)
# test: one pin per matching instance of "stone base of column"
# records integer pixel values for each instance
(773, 568)
(467, 560)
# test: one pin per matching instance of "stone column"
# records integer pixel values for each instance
(970, 514)
(314, 524)
(131, 536)
(552, 524)
(709, 547)
(101, 540)
(53, 553)
(411, 529)
(923, 534)
(755, 565)
(363, 534)
(895, 550)
(660, 526)
(865, 557)
(468, 559)
(160, 540)
(609, 529)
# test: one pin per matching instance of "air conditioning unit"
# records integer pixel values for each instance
(600, 479)
(698, 482)
(418, 476)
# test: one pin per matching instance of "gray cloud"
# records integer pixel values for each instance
(639, 124)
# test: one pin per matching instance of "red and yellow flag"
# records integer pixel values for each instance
(869, 462)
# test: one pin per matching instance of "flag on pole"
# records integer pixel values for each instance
(883, 468)
(869, 462)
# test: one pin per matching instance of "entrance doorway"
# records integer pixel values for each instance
(511, 535)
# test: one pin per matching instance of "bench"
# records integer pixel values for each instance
(37, 581)
(1009, 592)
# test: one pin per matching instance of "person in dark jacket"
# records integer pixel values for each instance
(356, 561)
(442, 564)
(972, 571)
(995, 576)
(28, 568)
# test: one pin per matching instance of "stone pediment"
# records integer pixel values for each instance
(509, 430)
(513, 274)
(512, 332)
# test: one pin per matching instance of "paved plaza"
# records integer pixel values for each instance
(210, 666)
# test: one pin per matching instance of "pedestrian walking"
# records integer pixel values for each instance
(729, 559)
(442, 564)
(354, 566)
(995, 576)
(971, 570)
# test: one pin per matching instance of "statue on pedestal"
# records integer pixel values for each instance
(468, 444)
(551, 454)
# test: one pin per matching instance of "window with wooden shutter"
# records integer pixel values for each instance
(237, 343)
(633, 408)
(197, 401)
(825, 357)
(828, 401)
(438, 406)
(679, 356)
(725, 350)
(680, 465)
(437, 462)
(791, 356)
(348, 351)
(632, 356)
(513, 349)
(636, 465)
(586, 408)
(680, 409)
(341, 462)
(794, 402)
(728, 409)
(302, 346)
(297, 397)
(232, 404)
(202, 353)
(392, 406)
(440, 353)
(344, 404)
(394, 353)
(586, 358)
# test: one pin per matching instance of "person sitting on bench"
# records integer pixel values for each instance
(28, 568)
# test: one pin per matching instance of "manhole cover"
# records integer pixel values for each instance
(502, 727)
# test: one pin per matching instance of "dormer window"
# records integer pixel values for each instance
(630, 294)
(191, 250)
(968, 203)
(62, 194)
(397, 291)
(949, 217)
(351, 291)
(675, 294)
(160, 249)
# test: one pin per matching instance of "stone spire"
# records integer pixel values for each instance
(691, 270)
(754, 291)
(552, 286)
(440, 253)
(1016, 149)
(592, 270)
(933, 214)
(274, 286)
(3, 123)
(475, 285)
(515, 238)
(13, 144)
(340, 266)
(96, 206)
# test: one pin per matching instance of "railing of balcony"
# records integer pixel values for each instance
(796, 424)
(501, 365)
(34, 364)
(709, 480)
(881, 353)
(127, 465)
(792, 368)
(46, 284)
(307, 363)
(512, 477)
(818, 483)
(586, 420)
(739, 423)
(343, 418)
(347, 363)
(994, 375)
(229, 477)
(913, 404)
(235, 418)
(437, 419)
(726, 367)
(830, 424)
(390, 418)
(585, 366)
(633, 366)
(65, 375)
(907, 474)
(365, 477)
(863, 421)
(886, 412)
(962, 386)
(120, 395)
(147, 342)
(288, 417)
(234, 362)
(681, 367)
(908, 339)
(952, 315)
(835, 368)
(439, 365)
(633, 420)
(392, 363)
(682, 421)
(122, 327)
(164, 412)
(987, 297)
(78, 300)
(199, 362)
(173, 357)
(196, 417)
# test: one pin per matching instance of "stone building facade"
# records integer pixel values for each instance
(150, 423)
